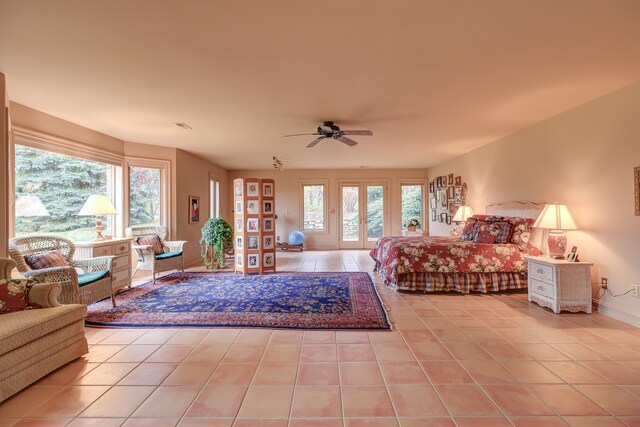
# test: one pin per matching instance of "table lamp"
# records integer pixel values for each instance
(556, 218)
(98, 204)
(462, 214)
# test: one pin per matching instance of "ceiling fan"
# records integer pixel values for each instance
(330, 130)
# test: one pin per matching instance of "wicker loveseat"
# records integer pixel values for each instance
(94, 283)
(37, 341)
(148, 259)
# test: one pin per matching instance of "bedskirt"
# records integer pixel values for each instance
(459, 282)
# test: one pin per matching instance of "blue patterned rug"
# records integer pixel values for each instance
(281, 300)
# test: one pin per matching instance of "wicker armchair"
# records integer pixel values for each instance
(171, 259)
(89, 286)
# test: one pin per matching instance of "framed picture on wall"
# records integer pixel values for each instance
(450, 179)
(443, 217)
(252, 189)
(458, 181)
(269, 259)
(443, 198)
(238, 209)
(267, 207)
(439, 182)
(433, 202)
(194, 209)
(268, 224)
(451, 193)
(252, 225)
(457, 195)
(239, 225)
(434, 216)
(239, 243)
(448, 220)
(267, 242)
(267, 189)
(452, 207)
(444, 181)
(432, 187)
(239, 259)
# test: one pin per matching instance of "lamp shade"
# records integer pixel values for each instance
(98, 204)
(555, 217)
(30, 205)
(462, 214)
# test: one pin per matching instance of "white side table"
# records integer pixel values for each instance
(120, 248)
(560, 284)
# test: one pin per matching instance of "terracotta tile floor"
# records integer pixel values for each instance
(451, 360)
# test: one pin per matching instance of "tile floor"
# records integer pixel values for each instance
(452, 360)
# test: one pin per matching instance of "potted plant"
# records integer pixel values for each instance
(412, 224)
(217, 238)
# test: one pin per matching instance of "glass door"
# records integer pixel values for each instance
(362, 214)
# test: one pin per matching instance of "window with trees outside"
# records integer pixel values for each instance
(51, 189)
(314, 212)
(145, 198)
(214, 198)
(412, 203)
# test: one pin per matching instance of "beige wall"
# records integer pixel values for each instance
(288, 197)
(583, 158)
(193, 179)
(4, 159)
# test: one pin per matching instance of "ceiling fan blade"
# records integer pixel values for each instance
(348, 141)
(302, 134)
(315, 142)
(357, 132)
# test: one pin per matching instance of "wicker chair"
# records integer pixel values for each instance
(89, 286)
(171, 259)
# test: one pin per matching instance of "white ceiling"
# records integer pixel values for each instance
(432, 78)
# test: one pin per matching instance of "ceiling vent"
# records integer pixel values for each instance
(183, 125)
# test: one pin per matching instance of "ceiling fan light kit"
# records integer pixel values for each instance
(330, 130)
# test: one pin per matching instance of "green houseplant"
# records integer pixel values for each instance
(217, 237)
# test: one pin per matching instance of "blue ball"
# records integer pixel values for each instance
(296, 238)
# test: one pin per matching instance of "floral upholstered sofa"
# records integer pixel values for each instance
(37, 334)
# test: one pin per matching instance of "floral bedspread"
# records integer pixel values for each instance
(400, 255)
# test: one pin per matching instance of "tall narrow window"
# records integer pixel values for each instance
(214, 198)
(145, 196)
(314, 212)
(412, 203)
(51, 189)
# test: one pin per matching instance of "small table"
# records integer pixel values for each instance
(559, 284)
(118, 247)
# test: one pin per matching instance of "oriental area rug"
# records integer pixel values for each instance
(280, 300)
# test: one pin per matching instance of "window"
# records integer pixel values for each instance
(412, 203)
(51, 188)
(214, 198)
(145, 199)
(314, 207)
(147, 192)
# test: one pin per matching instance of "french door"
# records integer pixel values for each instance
(363, 213)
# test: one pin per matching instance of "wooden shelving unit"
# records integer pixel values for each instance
(254, 225)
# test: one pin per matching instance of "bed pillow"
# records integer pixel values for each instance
(503, 231)
(13, 295)
(469, 230)
(154, 242)
(486, 232)
(520, 231)
(46, 260)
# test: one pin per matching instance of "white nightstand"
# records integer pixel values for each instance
(560, 284)
(120, 248)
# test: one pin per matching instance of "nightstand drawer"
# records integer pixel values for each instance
(102, 250)
(121, 262)
(541, 288)
(122, 248)
(541, 272)
(121, 275)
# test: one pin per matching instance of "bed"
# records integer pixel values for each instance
(429, 264)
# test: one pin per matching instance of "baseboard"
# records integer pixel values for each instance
(618, 313)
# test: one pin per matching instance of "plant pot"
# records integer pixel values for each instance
(411, 228)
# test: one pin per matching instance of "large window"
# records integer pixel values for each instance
(314, 207)
(412, 203)
(51, 189)
(145, 199)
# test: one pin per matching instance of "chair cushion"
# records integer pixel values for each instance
(88, 278)
(46, 260)
(13, 295)
(169, 255)
(153, 241)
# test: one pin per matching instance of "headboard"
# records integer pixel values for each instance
(524, 210)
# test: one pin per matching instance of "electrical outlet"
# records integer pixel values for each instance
(604, 282)
(634, 291)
